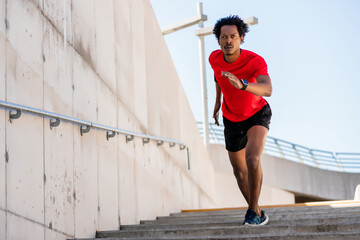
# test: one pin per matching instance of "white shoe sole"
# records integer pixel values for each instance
(265, 221)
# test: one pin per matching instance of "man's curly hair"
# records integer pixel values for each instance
(231, 20)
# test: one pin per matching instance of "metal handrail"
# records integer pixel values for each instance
(85, 126)
(335, 161)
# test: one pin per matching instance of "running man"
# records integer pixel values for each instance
(242, 78)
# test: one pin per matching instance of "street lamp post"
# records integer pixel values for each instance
(203, 80)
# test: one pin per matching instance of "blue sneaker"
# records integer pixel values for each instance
(251, 218)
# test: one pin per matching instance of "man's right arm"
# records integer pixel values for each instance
(217, 104)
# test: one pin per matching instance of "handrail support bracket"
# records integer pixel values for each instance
(110, 134)
(54, 122)
(84, 129)
(13, 116)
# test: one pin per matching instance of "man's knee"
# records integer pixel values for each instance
(252, 161)
(240, 174)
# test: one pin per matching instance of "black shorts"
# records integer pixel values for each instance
(236, 132)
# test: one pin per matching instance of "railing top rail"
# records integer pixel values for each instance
(15, 106)
(349, 162)
(347, 153)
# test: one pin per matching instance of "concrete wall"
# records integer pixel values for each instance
(307, 180)
(357, 193)
(114, 69)
(227, 191)
(283, 179)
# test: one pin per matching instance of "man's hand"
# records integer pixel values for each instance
(232, 79)
(216, 112)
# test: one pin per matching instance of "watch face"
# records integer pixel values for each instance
(246, 82)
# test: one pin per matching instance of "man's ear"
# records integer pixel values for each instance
(241, 39)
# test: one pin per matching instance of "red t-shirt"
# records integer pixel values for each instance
(239, 105)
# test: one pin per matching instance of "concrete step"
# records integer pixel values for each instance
(273, 216)
(336, 219)
(243, 210)
(268, 210)
(291, 222)
(217, 231)
(300, 236)
(212, 212)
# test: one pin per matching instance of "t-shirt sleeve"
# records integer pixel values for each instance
(260, 67)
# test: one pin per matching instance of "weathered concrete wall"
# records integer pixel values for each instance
(357, 193)
(114, 69)
(227, 192)
(300, 178)
(282, 179)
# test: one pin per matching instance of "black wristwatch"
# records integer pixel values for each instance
(245, 84)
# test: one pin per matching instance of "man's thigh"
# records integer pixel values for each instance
(256, 140)
(237, 160)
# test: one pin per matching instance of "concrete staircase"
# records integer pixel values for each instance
(329, 220)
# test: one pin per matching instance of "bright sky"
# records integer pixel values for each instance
(312, 49)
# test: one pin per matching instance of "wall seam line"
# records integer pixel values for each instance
(44, 143)
(5, 124)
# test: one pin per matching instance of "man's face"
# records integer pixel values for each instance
(229, 39)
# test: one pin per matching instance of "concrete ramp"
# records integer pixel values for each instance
(305, 182)
(320, 220)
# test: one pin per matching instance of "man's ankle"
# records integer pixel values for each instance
(257, 210)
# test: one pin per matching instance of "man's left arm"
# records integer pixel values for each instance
(262, 87)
